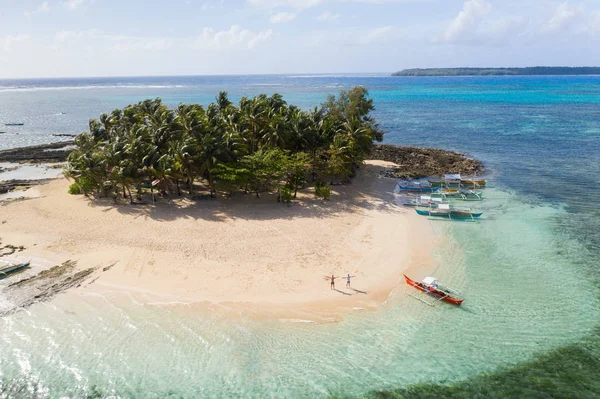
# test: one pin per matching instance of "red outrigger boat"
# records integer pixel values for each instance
(432, 287)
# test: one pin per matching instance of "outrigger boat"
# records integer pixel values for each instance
(12, 268)
(423, 200)
(416, 187)
(14, 124)
(445, 211)
(432, 287)
(459, 194)
(455, 180)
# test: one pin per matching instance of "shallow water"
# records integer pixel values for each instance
(527, 269)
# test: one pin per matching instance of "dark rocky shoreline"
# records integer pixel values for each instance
(414, 162)
(417, 162)
(45, 153)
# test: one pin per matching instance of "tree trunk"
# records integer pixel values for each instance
(211, 184)
(191, 183)
(124, 193)
(178, 188)
(130, 196)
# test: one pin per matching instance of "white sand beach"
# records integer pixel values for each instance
(249, 255)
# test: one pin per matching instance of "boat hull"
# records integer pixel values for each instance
(7, 271)
(449, 214)
(464, 183)
(417, 189)
(439, 295)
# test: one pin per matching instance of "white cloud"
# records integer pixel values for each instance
(564, 17)
(297, 4)
(73, 4)
(328, 16)
(234, 37)
(376, 35)
(281, 17)
(44, 7)
(140, 43)
(470, 17)
(6, 42)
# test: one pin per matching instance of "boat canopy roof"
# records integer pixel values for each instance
(444, 206)
(454, 177)
(430, 280)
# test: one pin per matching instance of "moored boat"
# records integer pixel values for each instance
(446, 211)
(14, 124)
(431, 286)
(459, 194)
(416, 187)
(455, 180)
(12, 268)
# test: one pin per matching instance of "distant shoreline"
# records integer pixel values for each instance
(527, 71)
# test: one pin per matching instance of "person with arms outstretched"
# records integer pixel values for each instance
(348, 280)
(332, 279)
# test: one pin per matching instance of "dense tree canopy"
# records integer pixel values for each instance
(259, 145)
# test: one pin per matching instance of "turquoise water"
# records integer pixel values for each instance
(528, 269)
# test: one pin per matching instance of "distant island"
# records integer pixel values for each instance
(528, 71)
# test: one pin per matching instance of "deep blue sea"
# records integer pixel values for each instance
(539, 138)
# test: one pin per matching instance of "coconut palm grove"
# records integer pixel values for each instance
(262, 144)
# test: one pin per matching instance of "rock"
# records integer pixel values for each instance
(417, 162)
(38, 153)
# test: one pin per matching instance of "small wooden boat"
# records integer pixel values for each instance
(459, 194)
(14, 124)
(432, 287)
(455, 180)
(10, 269)
(445, 211)
(423, 200)
(416, 187)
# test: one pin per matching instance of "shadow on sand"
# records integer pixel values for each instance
(341, 292)
(367, 192)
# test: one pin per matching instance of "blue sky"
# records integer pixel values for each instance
(59, 38)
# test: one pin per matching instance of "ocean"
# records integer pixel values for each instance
(528, 269)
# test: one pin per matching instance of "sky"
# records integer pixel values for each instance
(80, 38)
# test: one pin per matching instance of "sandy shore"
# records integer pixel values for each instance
(243, 254)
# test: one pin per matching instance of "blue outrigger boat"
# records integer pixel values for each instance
(444, 211)
(10, 269)
(417, 187)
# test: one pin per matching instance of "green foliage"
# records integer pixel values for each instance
(254, 145)
(285, 195)
(75, 189)
(296, 170)
(230, 178)
(323, 190)
(265, 169)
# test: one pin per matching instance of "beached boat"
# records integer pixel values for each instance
(14, 124)
(445, 211)
(423, 200)
(432, 287)
(12, 268)
(416, 187)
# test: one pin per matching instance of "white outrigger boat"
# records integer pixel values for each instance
(455, 180)
(423, 200)
(447, 212)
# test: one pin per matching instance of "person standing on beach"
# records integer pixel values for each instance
(332, 278)
(348, 280)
